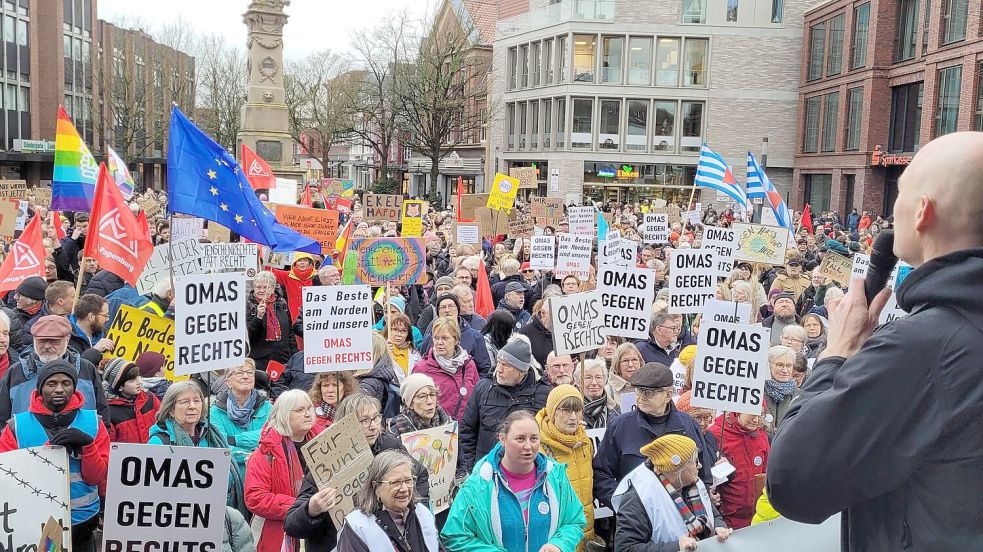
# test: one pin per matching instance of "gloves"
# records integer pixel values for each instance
(71, 438)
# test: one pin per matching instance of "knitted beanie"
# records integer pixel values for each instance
(687, 355)
(412, 384)
(558, 395)
(117, 372)
(517, 354)
(669, 452)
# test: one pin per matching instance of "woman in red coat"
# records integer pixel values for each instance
(275, 471)
(300, 275)
(745, 445)
(132, 410)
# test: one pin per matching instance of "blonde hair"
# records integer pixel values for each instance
(448, 324)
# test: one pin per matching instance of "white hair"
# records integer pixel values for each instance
(4, 320)
(264, 276)
(279, 418)
(163, 287)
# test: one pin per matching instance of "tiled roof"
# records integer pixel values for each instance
(483, 15)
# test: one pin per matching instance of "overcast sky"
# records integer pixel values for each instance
(313, 25)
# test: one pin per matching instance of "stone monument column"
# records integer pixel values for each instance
(264, 116)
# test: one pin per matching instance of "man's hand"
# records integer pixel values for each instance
(104, 344)
(851, 320)
(322, 501)
(687, 543)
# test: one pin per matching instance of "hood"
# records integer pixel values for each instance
(552, 437)
(512, 310)
(383, 370)
(77, 331)
(37, 405)
(492, 464)
(731, 427)
(950, 281)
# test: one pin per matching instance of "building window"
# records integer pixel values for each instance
(534, 124)
(979, 97)
(548, 61)
(561, 122)
(667, 62)
(583, 57)
(694, 11)
(810, 142)
(547, 124)
(835, 64)
(637, 126)
(640, 61)
(947, 117)
(612, 58)
(609, 132)
(855, 103)
(861, 21)
(561, 57)
(695, 70)
(581, 132)
(8, 29)
(955, 13)
(523, 124)
(21, 32)
(830, 116)
(536, 64)
(665, 127)
(904, 41)
(692, 139)
(777, 10)
(818, 191)
(925, 25)
(906, 117)
(483, 121)
(523, 66)
(817, 48)
(732, 11)
(510, 108)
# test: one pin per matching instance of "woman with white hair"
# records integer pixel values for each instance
(599, 406)
(780, 387)
(271, 334)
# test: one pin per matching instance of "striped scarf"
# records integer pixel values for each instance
(694, 514)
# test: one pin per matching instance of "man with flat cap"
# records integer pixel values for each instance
(654, 415)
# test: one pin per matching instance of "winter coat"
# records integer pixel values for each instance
(540, 339)
(156, 386)
(20, 334)
(576, 452)
(449, 386)
(521, 316)
(261, 350)
(555, 514)
(242, 440)
(132, 419)
(774, 413)
(492, 350)
(237, 536)
(409, 422)
(20, 381)
(293, 286)
(104, 282)
(471, 341)
(475, 320)
(382, 382)
(748, 453)
(293, 376)
(795, 286)
(379, 533)
(489, 404)
(811, 297)
(81, 343)
(907, 477)
(319, 532)
(653, 352)
(498, 290)
(427, 316)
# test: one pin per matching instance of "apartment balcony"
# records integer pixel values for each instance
(560, 12)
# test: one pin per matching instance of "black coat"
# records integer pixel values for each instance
(104, 282)
(907, 477)
(381, 382)
(498, 290)
(540, 338)
(294, 377)
(349, 541)
(261, 350)
(634, 528)
(20, 330)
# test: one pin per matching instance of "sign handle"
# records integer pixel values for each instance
(720, 445)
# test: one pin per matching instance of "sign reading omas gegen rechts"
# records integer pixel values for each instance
(210, 322)
(731, 367)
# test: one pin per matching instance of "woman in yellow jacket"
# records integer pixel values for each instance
(564, 440)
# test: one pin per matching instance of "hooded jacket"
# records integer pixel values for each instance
(521, 316)
(293, 376)
(20, 381)
(575, 452)
(906, 478)
(79, 341)
(382, 383)
(449, 386)
(104, 282)
(132, 418)
(747, 451)
(261, 350)
(292, 284)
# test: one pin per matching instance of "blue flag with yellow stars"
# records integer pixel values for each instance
(204, 180)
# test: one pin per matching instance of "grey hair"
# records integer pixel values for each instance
(170, 398)
(461, 289)
(279, 418)
(832, 294)
(365, 499)
(589, 364)
(780, 351)
(264, 276)
(659, 318)
(163, 287)
(4, 319)
(510, 267)
(355, 403)
(794, 330)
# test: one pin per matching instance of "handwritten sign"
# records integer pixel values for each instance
(149, 206)
(520, 227)
(33, 488)
(413, 212)
(527, 176)
(861, 263)
(503, 192)
(16, 189)
(836, 267)
(186, 260)
(230, 257)
(42, 197)
(436, 449)
(546, 211)
(317, 224)
(340, 457)
(382, 206)
(398, 261)
(578, 325)
(9, 212)
(135, 331)
(187, 227)
(760, 244)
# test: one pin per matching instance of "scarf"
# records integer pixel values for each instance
(410, 421)
(33, 310)
(302, 275)
(554, 438)
(240, 415)
(595, 412)
(401, 356)
(778, 391)
(453, 364)
(4, 363)
(325, 411)
(272, 322)
(693, 513)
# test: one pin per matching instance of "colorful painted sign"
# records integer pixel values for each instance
(390, 260)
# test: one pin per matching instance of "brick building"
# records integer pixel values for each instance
(879, 79)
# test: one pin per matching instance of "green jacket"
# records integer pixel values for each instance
(242, 440)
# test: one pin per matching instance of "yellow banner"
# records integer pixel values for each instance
(413, 212)
(503, 192)
(135, 331)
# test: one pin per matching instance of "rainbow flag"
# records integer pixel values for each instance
(121, 174)
(73, 182)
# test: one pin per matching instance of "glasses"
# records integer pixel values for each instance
(568, 411)
(565, 366)
(188, 402)
(426, 397)
(369, 422)
(400, 483)
(674, 329)
(303, 409)
(242, 374)
(598, 379)
(652, 393)
(703, 417)
(784, 365)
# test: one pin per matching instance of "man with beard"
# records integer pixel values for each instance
(791, 280)
(513, 301)
(559, 369)
(784, 315)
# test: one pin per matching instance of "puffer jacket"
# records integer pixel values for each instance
(104, 282)
(795, 286)
(748, 452)
(449, 386)
(132, 419)
(294, 377)
(540, 339)
(242, 440)
(576, 452)
(382, 383)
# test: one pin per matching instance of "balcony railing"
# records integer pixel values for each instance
(561, 12)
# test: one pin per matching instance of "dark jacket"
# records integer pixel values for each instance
(475, 320)
(906, 478)
(293, 376)
(427, 316)
(652, 352)
(349, 541)
(471, 341)
(498, 290)
(381, 383)
(20, 330)
(489, 404)
(521, 316)
(132, 419)
(261, 350)
(540, 338)
(104, 282)
(70, 249)
(633, 532)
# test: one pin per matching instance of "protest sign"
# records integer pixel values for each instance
(715, 310)
(528, 177)
(892, 311)
(491, 223)
(436, 449)
(760, 244)
(520, 227)
(861, 263)
(836, 267)
(627, 402)
(9, 211)
(577, 322)
(285, 191)
(547, 211)
(382, 206)
(731, 367)
(470, 202)
(596, 436)
(33, 488)
(150, 206)
(337, 328)
(187, 227)
(14, 189)
(230, 257)
(317, 224)
(626, 300)
(618, 251)
(42, 196)
(340, 457)
(397, 261)
(413, 212)
(332, 186)
(503, 191)
(216, 233)
(467, 234)
(573, 256)
(186, 260)
(170, 495)
(542, 252)
(52, 536)
(210, 332)
(691, 280)
(581, 220)
(21, 216)
(780, 534)
(721, 242)
(656, 228)
(135, 332)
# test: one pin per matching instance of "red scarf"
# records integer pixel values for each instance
(34, 310)
(4, 363)
(272, 322)
(302, 275)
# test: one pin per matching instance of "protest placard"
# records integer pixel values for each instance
(547, 211)
(577, 322)
(520, 227)
(573, 255)
(627, 402)
(413, 212)
(150, 206)
(466, 234)
(382, 206)
(33, 487)
(339, 457)
(15, 189)
(542, 252)
(470, 202)
(528, 177)
(187, 227)
(691, 280)
(317, 224)
(397, 261)
(715, 310)
(503, 191)
(731, 367)
(618, 251)
(861, 263)
(892, 311)
(781, 534)
(760, 244)
(337, 328)
(596, 436)
(581, 221)
(230, 257)
(656, 228)
(165, 495)
(210, 317)
(216, 233)
(52, 536)
(42, 196)
(626, 300)
(9, 211)
(332, 186)
(135, 331)
(836, 267)
(187, 260)
(285, 191)
(721, 242)
(491, 223)
(21, 216)
(436, 449)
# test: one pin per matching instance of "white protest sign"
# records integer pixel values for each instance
(21, 221)
(33, 486)
(337, 328)
(581, 220)
(210, 322)
(573, 255)
(731, 367)
(618, 251)
(187, 260)
(715, 310)
(693, 217)
(436, 448)
(656, 228)
(691, 280)
(627, 402)
(285, 191)
(596, 436)
(861, 263)
(678, 378)
(542, 252)
(172, 495)
(626, 300)
(230, 257)
(468, 233)
(780, 534)
(187, 227)
(577, 322)
(721, 242)
(892, 311)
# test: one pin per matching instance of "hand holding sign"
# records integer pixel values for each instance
(323, 501)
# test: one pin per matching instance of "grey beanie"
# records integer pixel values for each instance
(445, 281)
(516, 353)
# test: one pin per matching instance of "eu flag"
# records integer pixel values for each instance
(205, 181)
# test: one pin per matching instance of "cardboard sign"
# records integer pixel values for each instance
(892, 311)
(187, 227)
(340, 457)
(436, 449)
(135, 331)
(33, 488)
(527, 176)
(491, 223)
(731, 367)
(581, 221)
(573, 255)
(691, 280)
(760, 244)
(52, 536)
(520, 227)
(216, 233)
(210, 316)
(627, 294)
(656, 228)
(15, 189)
(187, 260)
(542, 252)
(471, 202)
(861, 263)
(503, 192)
(836, 267)
(332, 186)
(546, 211)
(149, 206)
(715, 310)
(317, 224)
(467, 234)
(337, 328)
(413, 213)
(781, 534)
(42, 197)
(382, 206)
(230, 257)
(577, 322)
(397, 261)
(9, 212)
(721, 242)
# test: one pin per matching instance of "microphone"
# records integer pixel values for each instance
(882, 261)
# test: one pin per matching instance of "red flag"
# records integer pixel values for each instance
(258, 172)
(483, 302)
(26, 258)
(142, 221)
(806, 220)
(119, 243)
(56, 222)
(274, 369)
(305, 199)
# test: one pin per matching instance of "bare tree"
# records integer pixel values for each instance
(316, 89)
(221, 86)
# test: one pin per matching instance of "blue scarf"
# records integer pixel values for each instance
(240, 416)
(777, 391)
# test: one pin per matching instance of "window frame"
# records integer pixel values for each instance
(858, 54)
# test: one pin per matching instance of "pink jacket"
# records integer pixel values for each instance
(448, 386)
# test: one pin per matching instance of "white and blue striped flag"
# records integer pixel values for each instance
(712, 172)
(759, 185)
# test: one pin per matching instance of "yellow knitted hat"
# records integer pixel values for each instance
(669, 452)
(687, 355)
(558, 394)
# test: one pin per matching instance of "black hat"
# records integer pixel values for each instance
(57, 366)
(784, 295)
(743, 264)
(652, 375)
(32, 288)
(515, 286)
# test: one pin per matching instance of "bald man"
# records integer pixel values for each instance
(889, 428)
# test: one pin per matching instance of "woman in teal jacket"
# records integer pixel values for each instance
(516, 486)
(241, 412)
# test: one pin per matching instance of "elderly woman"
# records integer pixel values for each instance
(271, 335)
(611, 344)
(626, 361)
(570, 284)
(327, 391)
(747, 448)
(450, 366)
(240, 412)
(388, 515)
(815, 335)
(470, 339)
(399, 335)
(741, 293)
(7, 356)
(599, 405)
(780, 388)
(794, 337)
(420, 407)
(662, 505)
(516, 499)
(275, 472)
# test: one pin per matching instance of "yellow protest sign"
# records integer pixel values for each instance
(503, 192)
(135, 331)
(413, 212)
